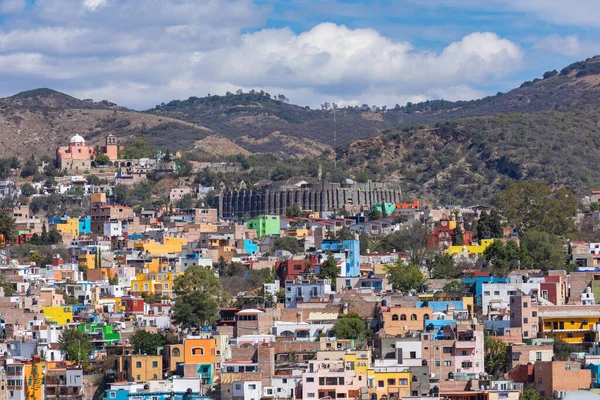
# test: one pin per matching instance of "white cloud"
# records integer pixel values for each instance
(179, 48)
(567, 46)
(11, 6)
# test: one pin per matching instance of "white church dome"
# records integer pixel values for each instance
(77, 139)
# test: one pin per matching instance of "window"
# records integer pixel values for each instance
(467, 364)
(526, 334)
(402, 382)
(395, 317)
(538, 356)
(310, 395)
(413, 355)
(175, 352)
(525, 320)
(380, 384)
(545, 294)
(447, 350)
(154, 364)
(437, 363)
(486, 293)
(534, 314)
(413, 317)
(426, 317)
(310, 380)
(252, 386)
(113, 395)
(464, 353)
(525, 305)
(197, 351)
(496, 293)
(403, 317)
(567, 367)
(138, 364)
(238, 386)
(391, 382)
(447, 363)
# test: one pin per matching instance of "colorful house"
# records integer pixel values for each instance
(574, 324)
(101, 334)
(265, 225)
(160, 283)
(60, 315)
(169, 245)
(388, 382)
(201, 352)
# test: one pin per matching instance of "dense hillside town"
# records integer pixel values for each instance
(309, 289)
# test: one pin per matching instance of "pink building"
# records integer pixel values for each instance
(524, 315)
(78, 156)
(329, 378)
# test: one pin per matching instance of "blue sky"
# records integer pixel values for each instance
(139, 53)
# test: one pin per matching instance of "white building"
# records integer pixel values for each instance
(495, 297)
(247, 390)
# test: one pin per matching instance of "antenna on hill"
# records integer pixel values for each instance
(334, 138)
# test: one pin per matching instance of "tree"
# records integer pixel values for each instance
(146, 342)
(294, 211)
(351, 326)
(529, 394)
(562, 350)
(186, 202)
(287, 243)
(329, 269)
(542, 250)
(7, 225)
(27, 189)
(455, 286)
(458, 236)
(365, 242)
(102, 159)
(406, 278)
(495, 355)
(30, 168)
(535, 206)
(489, 226)
(345, 234)
(503, 258)
(412, 240)
(198, 296)
(76, 345)
(444, 267)
(113, 280)
(93, 180)
(121, 194)
(374, 214)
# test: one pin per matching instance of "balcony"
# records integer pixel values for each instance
(465, 344)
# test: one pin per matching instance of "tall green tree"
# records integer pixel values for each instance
(76, 345)
(542, 250)
(146, 342)
(533, 205)
(562, 350)
(329, 269)
(529, 394)
(495, 355)
(351, 326)
(7, 225)
(503, 258)
(287, 243)
(444, 267)
(406, 278)
(198, 296)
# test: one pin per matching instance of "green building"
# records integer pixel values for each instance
(385, 208)
(265, 225)
(101, 334)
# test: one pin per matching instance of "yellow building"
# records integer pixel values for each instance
(575, 324)
(87, 261)
(139, 367)
(170, 245)
(60, 315)
(70, 226)
(469, 251)
(358, 361)
(156, 265)
(160, 283)
(389, 381)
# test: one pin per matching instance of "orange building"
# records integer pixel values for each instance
(201, 352)
(400, 320)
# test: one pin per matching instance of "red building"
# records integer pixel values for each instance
(290, 269)
(134, 305)
(444, 235)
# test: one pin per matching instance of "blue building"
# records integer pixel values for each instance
(351, 251)
(250, 247)
(85, 224)
(595, 368)
(476, 285)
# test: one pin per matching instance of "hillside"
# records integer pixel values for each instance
(251, 118)
(38, 121)
(471, 159)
